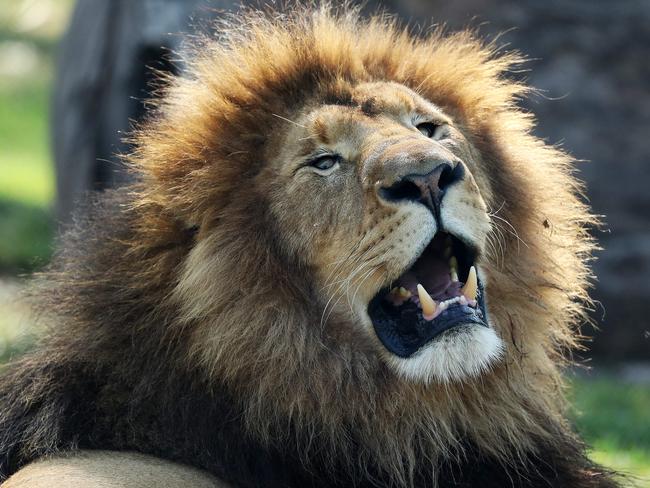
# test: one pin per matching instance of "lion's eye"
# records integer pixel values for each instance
(325, 165)
(431, 130)
(428, 129)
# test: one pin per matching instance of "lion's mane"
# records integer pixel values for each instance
(180, 327)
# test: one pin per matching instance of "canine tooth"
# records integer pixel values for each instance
(404, 293)
(427, 303)
(453, 267)
(471, 286)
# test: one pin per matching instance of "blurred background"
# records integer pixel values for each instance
(71, 78)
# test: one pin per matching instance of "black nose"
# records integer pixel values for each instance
(427, 189)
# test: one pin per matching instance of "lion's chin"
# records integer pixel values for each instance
(463, 352)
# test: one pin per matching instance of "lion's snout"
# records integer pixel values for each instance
(427, 189)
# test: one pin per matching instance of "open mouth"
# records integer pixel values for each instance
(439, 292)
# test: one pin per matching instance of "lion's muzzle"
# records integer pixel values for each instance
(427, 189)
(439, 292)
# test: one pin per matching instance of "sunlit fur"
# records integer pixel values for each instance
(238, 301)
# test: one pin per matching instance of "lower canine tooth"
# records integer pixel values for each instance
(427, 303)
(471, 286)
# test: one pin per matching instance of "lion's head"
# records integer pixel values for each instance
(380, 241)
(377, 191)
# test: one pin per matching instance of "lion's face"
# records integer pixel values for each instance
(382, 197)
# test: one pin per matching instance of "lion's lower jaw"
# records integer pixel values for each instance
(464, 352)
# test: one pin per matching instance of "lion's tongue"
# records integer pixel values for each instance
(430, 279)
(434, 273)
(432, 282)
(436, 282)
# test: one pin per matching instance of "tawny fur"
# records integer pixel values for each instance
(193, 279)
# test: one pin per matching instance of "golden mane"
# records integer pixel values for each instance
(246, 86)
(227, 305)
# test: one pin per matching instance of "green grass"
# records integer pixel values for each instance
(614, 419)
(26, 181)
(27, 174)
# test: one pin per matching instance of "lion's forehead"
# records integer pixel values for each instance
(372, 116)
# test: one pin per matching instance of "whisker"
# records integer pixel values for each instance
(346, 283)
(288, 120)
(347, 278)
(498, 209)
(511, 229)
(339, 262)
(363, 281)
(341, 285)
(491, 250)
(367, 275)
(329, 283)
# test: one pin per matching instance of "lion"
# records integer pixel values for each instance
(346, 261)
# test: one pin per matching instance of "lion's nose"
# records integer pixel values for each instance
(427, 189)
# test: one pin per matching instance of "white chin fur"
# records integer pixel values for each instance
(462, 352)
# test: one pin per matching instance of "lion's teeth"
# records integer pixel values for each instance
(398, 295)
(471, 285)
(447, 252)
(404, 293)
(453, 268)
(427, 303)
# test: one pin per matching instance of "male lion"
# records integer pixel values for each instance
(346, 262)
